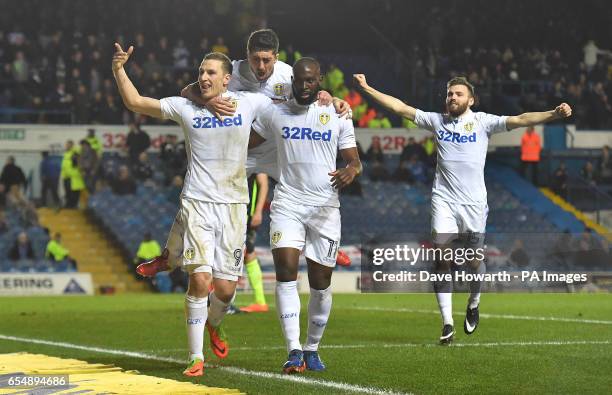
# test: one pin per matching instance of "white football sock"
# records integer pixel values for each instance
(445, 301)
(319, 307)
(474, 298)
(196, 313)
(217, 309)
(288, 308)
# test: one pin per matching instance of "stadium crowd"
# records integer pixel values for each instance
(56, 69)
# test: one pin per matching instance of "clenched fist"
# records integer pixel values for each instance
(563, 110)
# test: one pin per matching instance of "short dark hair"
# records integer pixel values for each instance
(263, 40)
(461, 81)
(226, 63)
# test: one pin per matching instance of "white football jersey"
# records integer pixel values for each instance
(276, 87)
(462, 150)
(216, 150)
(308, 139)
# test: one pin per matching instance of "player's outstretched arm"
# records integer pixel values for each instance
(391, 103)
(343, 177)
(534, 118)
(131, 98)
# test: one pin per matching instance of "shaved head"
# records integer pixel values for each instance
(304, 63)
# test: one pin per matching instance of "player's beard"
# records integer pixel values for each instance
(305, 101)
(458, 110)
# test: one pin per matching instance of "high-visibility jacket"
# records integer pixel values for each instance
(530, 147)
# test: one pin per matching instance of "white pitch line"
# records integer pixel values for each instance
(409, 345)
(484, 315)
(134, 354)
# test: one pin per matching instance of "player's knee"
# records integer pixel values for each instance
(225, 290)
(319, 276)
(285, 273)
(199, 284)
(320, 282)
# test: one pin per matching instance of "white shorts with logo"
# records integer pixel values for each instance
(209, 237)
(448, 218)
(314, 230)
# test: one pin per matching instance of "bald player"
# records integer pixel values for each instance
(305, 210)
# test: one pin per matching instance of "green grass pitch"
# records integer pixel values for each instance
(373, 342)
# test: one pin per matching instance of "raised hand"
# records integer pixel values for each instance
(120, 56)
(563, 110)
(360, 80)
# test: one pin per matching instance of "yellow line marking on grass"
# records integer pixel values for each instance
(339, 386)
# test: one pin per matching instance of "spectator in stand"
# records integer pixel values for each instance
(123, 183)
(110, 112)
(411, 149)
(289, 55)
(137, 142)
(591, 251)
(417, 169)
(531, 147)
(379, 122)
(604, 166)
(142, 170)
(354, 99)
(148, 248)
(21, 249)
(88, 165)
(588, 173)
(49, 177)
(377, 171)
(4, 225)
(518, 256)
(365, 119)
(174, 192)
(3, 194)
(151, 66)
(220, 46)
(430, 150)
(26, 209)
(402, 173)
(173, 156)
(559, 181)
(333, 80)
(591, 52)
(66, 170)
(12, 174)
(94, 142)
(180, 54)
(375, 152)
(601, 110)
(77, 183)
(57, 252)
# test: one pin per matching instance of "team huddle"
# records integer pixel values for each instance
(261, 116)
